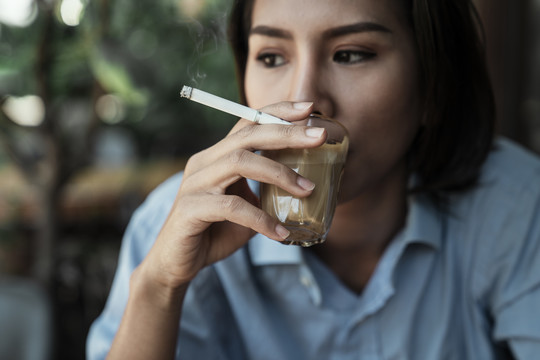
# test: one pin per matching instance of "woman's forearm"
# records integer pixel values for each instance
(149, 327)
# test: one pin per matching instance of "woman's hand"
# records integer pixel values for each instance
(215, 212)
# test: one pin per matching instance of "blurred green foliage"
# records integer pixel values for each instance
(142, 52)
(130, 59)
(108, 77)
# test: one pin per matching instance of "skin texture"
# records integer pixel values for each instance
(354, 61)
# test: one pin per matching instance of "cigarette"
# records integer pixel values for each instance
(230, 107)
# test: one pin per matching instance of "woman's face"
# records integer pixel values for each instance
(356, 60)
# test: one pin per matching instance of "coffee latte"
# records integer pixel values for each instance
(308, 219)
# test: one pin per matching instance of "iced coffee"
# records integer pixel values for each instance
(309, 219)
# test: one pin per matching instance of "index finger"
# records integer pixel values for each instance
(286, 110)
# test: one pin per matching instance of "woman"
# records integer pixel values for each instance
(434, 250)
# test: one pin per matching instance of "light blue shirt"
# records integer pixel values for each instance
(457, 284)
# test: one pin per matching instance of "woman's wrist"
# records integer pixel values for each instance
(146, 286)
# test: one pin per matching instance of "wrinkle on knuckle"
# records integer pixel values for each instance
(260, 218)
(238, 157)
(288, 131)
(231, 203)
(246, 132)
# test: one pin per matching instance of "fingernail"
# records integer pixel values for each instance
(282, 232)
(304, 183)
(314, 132)
(302, 105)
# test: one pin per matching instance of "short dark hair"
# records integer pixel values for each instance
(458, 120)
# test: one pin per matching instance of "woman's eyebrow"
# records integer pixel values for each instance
(271, 32)
(329, 33)
(356, 28)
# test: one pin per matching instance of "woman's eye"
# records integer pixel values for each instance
(271, 60)
(352, 57)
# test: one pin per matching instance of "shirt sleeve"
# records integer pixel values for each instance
(138, 239)
(516, 301)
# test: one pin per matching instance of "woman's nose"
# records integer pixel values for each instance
(309, 84)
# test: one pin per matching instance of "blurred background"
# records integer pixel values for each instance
(91, 121)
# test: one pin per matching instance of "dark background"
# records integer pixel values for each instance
(91, 121)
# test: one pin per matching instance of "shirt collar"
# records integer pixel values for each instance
(423, 225)
(264, 251)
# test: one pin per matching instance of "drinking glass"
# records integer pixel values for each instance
(309, 219)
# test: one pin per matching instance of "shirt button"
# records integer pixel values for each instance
(306, 281)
